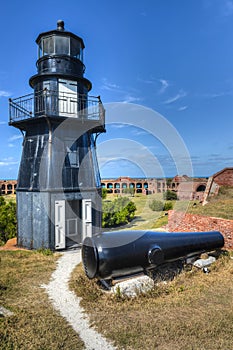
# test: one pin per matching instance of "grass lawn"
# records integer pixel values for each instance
(193, 312)
(34, 324)
(145, 218)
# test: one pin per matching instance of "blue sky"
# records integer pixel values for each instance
(172, 57)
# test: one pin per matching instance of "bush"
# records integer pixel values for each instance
(7, 220)
(156, 205)
(160, 206)
(168, 206)
(118, 212)
(170, 195)
(104, 193)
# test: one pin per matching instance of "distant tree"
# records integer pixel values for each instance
(7, 220)
(104, 193)
(170, 196)
(117, 212)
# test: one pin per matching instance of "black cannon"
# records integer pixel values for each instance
(120, 253)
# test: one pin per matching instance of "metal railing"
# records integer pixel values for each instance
(53, 104)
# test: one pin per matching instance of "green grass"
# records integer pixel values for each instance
(34, 324)
(145, 218)
(193, 312)
(220, 206)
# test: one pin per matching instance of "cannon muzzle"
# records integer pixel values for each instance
(119, 253)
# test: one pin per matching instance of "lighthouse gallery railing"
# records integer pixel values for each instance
(53, 104)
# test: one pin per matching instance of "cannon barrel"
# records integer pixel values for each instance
(119, 253)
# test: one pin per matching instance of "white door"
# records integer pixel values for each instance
(68, 98)
(87, 218)
(60, 227)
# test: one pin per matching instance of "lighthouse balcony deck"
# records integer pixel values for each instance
(62, 105)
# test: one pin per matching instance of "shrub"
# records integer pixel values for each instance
(170, 195)
(118, 212)
(156, 205)
(7, 220)
(168, 206)
(160, 206)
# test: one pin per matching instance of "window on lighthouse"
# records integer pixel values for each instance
(72, 154)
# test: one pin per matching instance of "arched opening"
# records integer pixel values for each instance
(9, 188)
(103, 185)
(117, 185)
(109, 185)
(124, 185)
(201, 188)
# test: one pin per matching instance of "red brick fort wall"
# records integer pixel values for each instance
(182, 222)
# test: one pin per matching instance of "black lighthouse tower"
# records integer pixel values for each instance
(59, 189)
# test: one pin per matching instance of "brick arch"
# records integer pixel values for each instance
(201, 188)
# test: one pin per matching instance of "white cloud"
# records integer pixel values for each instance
(118, 126)
(178, 96)
(4, 93)
(182, 108)
(109, 86)
(216, 94)
(15, 137)
(130, 99)
(139, 132)
(8, 162)
(164, 85)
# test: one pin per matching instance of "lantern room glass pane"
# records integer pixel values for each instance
(76, 49)
(62, 45)
(48, 45)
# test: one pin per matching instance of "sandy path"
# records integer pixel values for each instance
(68, 305)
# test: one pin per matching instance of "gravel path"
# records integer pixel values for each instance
(68, 305)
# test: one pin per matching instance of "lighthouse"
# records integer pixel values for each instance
(59, 189)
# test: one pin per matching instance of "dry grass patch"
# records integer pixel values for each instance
(34, 325)
(194, 311)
